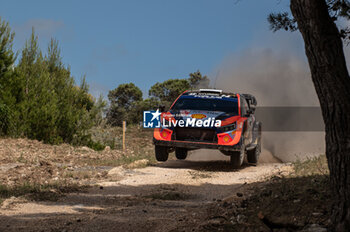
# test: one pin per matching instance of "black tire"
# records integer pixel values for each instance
(162, 153)
(181, 153)
(253, 155)
(237, 158)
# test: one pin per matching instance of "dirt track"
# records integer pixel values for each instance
(168, 196)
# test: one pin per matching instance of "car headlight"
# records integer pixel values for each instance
(228, 127)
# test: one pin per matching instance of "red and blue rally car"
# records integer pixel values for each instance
(211, 119)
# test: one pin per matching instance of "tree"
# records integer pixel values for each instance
(38, 110)
(7, 59)
(50, 106)
(78, 110)
(324, 50)
(197, 81)
(66, 91)
(167, 91)
(39, 98)
(136, 115)
(122, 101)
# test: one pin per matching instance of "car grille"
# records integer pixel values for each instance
(195, 135)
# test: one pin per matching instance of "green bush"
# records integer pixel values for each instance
(39, 98)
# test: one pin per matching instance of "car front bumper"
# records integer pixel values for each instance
(196, 145)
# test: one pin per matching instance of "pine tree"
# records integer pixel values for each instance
(39, 111)
(7, 81)
(7, 57)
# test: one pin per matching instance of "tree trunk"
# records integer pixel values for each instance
(324, 50)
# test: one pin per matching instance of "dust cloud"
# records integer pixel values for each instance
(278, 77)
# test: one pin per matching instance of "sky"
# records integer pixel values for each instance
(144, 42)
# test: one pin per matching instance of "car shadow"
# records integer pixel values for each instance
(210, 166)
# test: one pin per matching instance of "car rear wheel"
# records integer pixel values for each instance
(253, 155)
(181, 153)
(237, 158)
(162, 153)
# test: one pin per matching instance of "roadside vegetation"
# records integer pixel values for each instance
(39, 98)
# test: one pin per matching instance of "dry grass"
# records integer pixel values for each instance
(312, 166)
(80, 175)
(39, 192)
(199, 174)
(139, 145)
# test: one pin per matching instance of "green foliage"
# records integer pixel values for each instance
(39, 108)
(125, 94)
(280, 21)
(7, 59)
(337, 9)
(123, 102)
(97, 146)
(126, 102)
(167, 91)
(39, 98)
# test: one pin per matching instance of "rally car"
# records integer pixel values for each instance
(211, 119)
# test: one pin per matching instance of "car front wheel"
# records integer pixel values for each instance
(162, 153)
(237, 158)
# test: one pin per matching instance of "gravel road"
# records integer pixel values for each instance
(162, 197)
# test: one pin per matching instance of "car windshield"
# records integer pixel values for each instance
(227, 105)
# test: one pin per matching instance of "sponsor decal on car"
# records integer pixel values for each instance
(198, 116)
